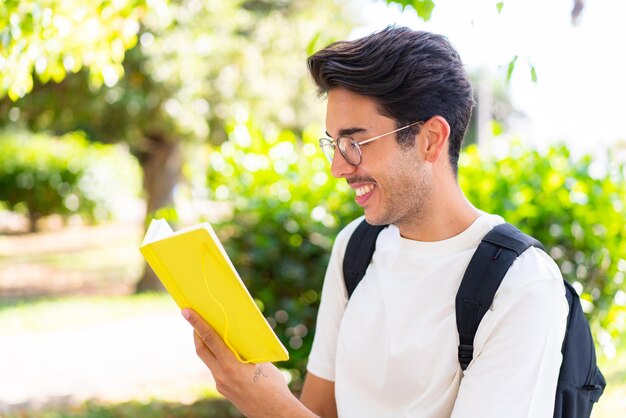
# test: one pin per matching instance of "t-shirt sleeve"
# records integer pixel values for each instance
(332, 306)
(517, 348)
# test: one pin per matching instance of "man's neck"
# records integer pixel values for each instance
(448, 215)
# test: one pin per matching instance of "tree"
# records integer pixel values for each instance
(197, 65)
(52, 38)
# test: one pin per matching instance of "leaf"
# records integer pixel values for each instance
(499, 6)
(509, 71)
(26, 36)
(424, 8)
(533, 74)
(312, 46)
(496, 128)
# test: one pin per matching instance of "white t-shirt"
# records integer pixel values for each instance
(392, 351)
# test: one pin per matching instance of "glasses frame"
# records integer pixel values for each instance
(326, 142)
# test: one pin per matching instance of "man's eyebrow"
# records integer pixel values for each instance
(348, 131)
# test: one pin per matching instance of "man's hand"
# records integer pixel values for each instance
(258, 390)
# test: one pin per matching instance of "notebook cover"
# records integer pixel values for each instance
(222, 300)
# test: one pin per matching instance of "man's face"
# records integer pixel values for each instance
(392, 183)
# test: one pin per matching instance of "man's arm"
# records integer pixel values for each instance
(258, 390)
(319, 396)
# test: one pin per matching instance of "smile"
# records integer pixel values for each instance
(364, 190)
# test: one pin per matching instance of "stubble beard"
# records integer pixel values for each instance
(406, 205)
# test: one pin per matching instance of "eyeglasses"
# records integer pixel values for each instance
(349, 148)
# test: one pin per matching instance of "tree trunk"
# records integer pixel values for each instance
(33, 218)
(161, 163)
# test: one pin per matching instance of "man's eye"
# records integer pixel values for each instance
(355, 145)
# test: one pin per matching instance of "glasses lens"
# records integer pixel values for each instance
(350, 150)
(328, 148)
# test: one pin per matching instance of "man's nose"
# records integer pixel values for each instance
(340, 167)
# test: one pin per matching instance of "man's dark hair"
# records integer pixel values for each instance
(411, 75)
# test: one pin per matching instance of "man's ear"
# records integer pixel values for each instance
(436, 132)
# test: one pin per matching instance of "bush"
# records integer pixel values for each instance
(575, 206)
(41, 175)
(286, 210)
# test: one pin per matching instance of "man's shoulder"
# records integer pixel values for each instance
(534, 267)
(533, 272)
(535, 264)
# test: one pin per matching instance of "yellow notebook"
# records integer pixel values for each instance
(197, 273)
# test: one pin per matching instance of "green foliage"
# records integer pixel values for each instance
(575, 206)
(196, 65)
(512, 65)
(533, 73)
(42, 175)
(52, 38)
(214, 407)
(219, 59)
(510, 68)
(423, 8)
(286, 211)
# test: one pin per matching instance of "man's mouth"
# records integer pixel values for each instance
(363, 190)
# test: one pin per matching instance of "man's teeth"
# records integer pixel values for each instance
(365, 189)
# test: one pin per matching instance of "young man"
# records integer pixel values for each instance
(399, 102)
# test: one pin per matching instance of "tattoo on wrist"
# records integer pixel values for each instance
(258, 373)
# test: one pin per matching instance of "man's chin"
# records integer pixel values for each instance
(374, 219)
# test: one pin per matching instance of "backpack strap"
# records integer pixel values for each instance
(359, 253)
(488, 266)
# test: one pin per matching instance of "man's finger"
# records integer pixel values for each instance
(205, 354)
(208, 335)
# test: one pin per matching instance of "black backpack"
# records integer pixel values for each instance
(580, 381)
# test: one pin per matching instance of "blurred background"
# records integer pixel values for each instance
(113, 112)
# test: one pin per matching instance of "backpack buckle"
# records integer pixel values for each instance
(466, 354)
